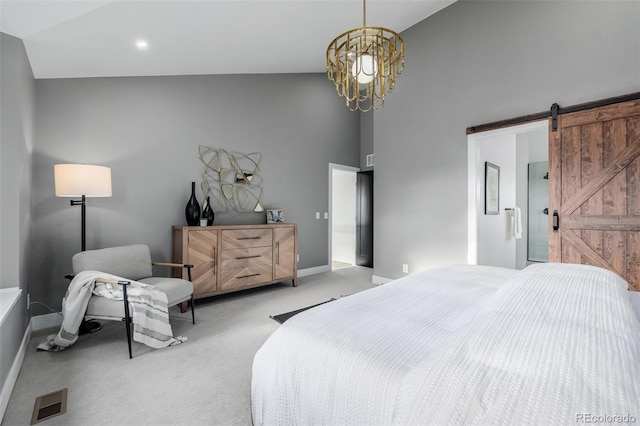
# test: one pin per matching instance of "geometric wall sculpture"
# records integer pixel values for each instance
(231, 179)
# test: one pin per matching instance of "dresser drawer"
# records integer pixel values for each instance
(245, 238)
(242, 258)
(242, 277)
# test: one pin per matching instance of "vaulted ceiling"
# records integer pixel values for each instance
(94, 38)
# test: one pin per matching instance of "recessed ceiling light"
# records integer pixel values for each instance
(142, 44)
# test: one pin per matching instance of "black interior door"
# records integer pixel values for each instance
(364, 219)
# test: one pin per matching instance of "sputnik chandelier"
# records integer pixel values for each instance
(364, 63)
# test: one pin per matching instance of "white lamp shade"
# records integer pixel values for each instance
(75, 180)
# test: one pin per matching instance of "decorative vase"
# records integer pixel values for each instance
(207, 212)
(192, 211)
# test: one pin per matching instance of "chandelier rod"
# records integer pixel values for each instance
(364, 13)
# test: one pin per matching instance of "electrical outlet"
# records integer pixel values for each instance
(28, 301)
(317, 215)
(297, 258)
(405, 268)
(326, 215)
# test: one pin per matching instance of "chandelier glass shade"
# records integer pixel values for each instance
(364, 64)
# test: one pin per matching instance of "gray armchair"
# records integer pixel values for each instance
(134, 263)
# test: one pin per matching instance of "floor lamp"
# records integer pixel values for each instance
(82, 180)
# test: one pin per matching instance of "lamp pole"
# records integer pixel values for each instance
(82, 204)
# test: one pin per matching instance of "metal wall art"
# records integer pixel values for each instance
(231, 179)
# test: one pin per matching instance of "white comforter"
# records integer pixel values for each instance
(552, 344)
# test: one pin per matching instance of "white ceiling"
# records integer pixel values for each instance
(87, 38)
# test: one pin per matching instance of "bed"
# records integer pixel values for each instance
(460, 344)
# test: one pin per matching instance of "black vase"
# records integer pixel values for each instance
(192, 211)
(207, 212)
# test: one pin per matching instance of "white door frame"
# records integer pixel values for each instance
(472, 142)
(332, 167)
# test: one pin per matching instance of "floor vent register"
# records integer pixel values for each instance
(50, 405)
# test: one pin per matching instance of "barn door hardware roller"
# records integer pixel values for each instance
(555, 108)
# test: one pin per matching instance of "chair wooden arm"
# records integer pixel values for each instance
(175, 265)
(172, 265)
(109, 281)
(101, 280)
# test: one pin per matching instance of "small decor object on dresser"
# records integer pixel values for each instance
(192, 210)
(207, 212)
(275, 216)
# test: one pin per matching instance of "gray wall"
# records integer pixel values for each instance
(17, 124)
(471, 63)
(366, 138)
(148, 129)
(17, 113)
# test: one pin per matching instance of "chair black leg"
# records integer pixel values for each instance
(127, 323)
(193, 313)
(127, 318)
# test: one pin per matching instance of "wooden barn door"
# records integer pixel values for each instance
(594, 189)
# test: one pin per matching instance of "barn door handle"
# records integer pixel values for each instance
(556, 221)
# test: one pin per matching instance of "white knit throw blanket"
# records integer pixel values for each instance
(149, 311)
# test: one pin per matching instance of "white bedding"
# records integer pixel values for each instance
(458, 345)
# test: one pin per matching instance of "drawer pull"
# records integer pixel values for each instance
(247, 276)
(246, 257)
(248, 238)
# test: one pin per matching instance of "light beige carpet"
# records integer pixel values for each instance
(205, 381)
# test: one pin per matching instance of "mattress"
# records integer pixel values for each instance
(460, 344)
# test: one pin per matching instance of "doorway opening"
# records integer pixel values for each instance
(522, 153)
(342, 216)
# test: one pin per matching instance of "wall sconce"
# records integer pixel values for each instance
(82, 180)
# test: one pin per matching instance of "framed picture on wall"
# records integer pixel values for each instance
(491, 188)
(275, 216)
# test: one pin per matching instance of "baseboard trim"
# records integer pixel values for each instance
(12, 377)
(41, 322)
(312, 271)
(380, 280)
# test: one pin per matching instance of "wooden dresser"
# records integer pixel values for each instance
(236, 257)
